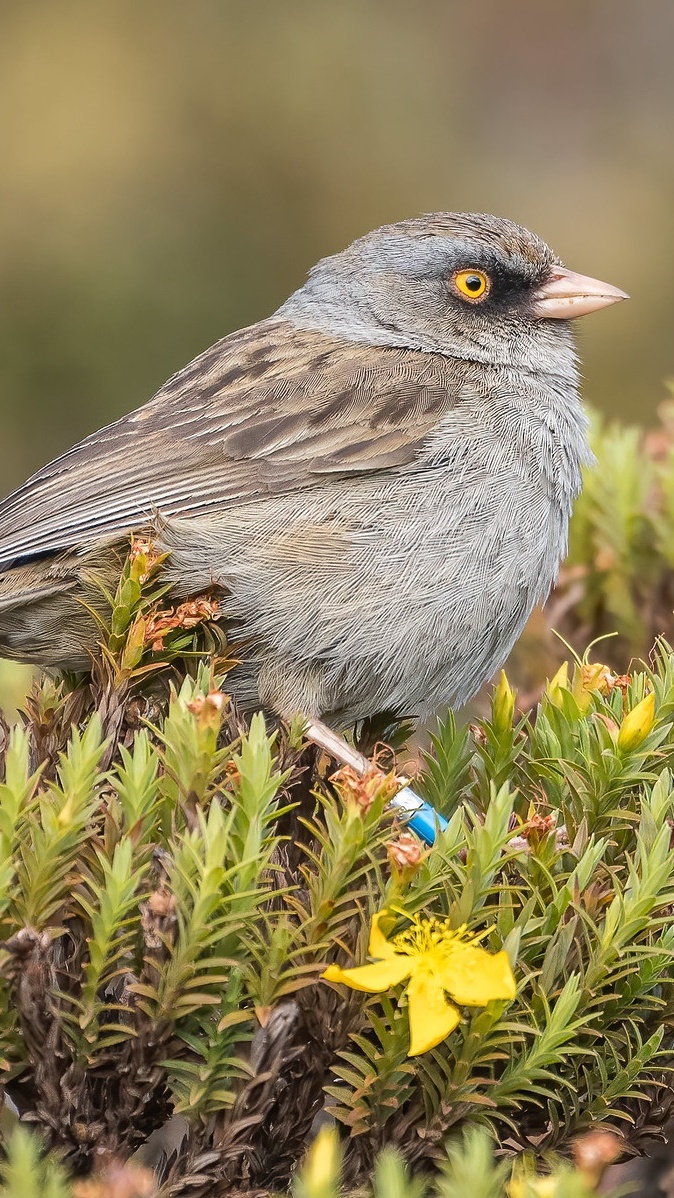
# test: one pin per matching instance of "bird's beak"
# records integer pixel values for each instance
(566, 295)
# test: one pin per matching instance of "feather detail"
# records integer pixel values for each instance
(268, 410)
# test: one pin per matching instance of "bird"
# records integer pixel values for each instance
(377, 479)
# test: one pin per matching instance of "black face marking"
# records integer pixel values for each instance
(511, 283)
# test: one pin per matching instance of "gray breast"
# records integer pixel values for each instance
(407, 590)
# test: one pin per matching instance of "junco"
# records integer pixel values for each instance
(379, 477)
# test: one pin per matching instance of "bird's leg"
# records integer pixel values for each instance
(334, 744)
(422, 818)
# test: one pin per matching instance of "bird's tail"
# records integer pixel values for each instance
(41, 621)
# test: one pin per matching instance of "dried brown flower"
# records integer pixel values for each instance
(185, 616)
(143, 553)
(534, 830)
(595, 1151)
(158, 917)
(364, 789)
(405, 855)
(206, 706)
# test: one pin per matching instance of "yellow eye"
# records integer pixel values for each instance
(471, 284)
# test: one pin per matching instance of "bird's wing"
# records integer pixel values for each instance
(270, 409)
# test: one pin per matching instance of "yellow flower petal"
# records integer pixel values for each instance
(379, 946)
(372, 978)
(431, 1017)
(474, 977)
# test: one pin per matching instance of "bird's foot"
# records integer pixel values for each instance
(422, 818)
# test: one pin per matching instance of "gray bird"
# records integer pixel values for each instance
(379, 477)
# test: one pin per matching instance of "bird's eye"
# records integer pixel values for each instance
(471, 284)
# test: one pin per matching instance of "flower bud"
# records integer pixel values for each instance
(321, 1170)
(558, 684)
(135, 643)
(502, 706)
(637, 724)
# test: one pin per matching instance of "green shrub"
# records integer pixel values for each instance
(173, 883)
(171, 888)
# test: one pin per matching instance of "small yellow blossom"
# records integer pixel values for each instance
(437, 960)
(637, 724)
(588, 677)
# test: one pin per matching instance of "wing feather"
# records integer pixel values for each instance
(269, 409)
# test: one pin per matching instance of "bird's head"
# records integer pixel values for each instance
(467, 285)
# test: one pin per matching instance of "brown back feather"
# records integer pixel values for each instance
(272, 408)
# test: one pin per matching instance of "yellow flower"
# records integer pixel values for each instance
(437, 960)
(637, 724)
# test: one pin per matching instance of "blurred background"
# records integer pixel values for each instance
(169, 171)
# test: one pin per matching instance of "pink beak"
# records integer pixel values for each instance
(566, 295)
